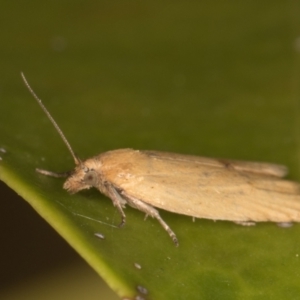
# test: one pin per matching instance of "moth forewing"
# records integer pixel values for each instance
(191, 185)
(184, 185)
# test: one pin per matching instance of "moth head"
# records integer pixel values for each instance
(83, 177)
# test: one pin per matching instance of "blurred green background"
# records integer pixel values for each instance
(216, 79)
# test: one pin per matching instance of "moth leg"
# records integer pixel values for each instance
(151, 211)
(53, 174)
(285, 224)
(245, 223)
(118, 202)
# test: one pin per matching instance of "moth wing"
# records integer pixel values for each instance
(206, 188)
(261, 168)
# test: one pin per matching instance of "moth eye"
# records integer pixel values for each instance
(91, 178)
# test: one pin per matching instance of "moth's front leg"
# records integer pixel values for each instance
(117, 200)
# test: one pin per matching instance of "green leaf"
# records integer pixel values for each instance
(194, 78)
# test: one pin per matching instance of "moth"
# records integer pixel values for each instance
(217, 189)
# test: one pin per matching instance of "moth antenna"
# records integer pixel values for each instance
(39, 101)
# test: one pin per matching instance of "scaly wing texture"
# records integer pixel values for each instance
(204, 187)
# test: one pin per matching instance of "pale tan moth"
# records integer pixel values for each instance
(238, 191)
